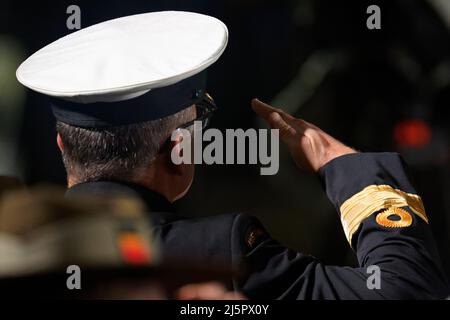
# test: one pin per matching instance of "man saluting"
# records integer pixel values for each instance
(120, 88)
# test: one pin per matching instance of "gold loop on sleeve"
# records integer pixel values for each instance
(405, 219)
(373, 199)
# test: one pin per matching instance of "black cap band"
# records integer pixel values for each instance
(155, 104)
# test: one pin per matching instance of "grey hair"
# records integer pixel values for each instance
(115, 153)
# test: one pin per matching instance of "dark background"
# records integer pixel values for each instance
(376, 90)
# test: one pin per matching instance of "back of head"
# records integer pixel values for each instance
(121, 153)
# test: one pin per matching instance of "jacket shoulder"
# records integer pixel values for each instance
(223, 238)
(196, 238)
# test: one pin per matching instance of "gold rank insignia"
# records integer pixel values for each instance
(380, 197)
(384, 218)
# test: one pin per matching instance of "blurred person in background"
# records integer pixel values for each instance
(86, 248)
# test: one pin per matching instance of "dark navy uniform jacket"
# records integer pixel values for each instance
(382, 216)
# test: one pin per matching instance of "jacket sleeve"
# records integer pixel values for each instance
(385, 223)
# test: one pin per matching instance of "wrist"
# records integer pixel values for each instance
(334, 153)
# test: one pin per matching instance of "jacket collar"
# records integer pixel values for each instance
(153, 201)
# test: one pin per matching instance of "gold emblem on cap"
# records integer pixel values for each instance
(405, 218)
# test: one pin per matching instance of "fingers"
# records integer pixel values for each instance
(287, 132)
(264, 110)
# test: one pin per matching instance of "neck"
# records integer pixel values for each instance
(151, 198)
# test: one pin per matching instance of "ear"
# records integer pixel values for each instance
(175, 148)
(59, 142)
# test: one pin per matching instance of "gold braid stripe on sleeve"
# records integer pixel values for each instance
(375, 198)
